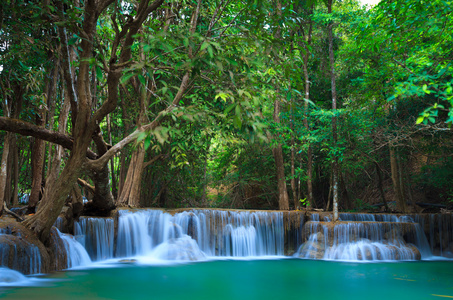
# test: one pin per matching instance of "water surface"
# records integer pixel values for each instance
(254, 279)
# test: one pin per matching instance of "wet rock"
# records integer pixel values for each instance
(128, 261)
(21, 250)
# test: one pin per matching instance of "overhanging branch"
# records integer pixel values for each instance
(28, 129)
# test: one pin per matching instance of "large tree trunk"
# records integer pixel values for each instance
(103, 201)
(335, 168)
(130, 192)
(55, 197)
(85, 122)
(61, 187)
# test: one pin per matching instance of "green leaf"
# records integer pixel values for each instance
(99, 73)
(72, 41)
(211, 52)
(229, 108)
(147, 142)
(204, 46)
(126, 77)
(142, 79)
(425, 89)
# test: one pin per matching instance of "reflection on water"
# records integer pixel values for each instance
(254, 279)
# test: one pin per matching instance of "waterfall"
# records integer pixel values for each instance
(358, 241)
(10, 277)
(199, 233)
(96, 235)
(217, 233)
(59, 224)
(240, 233)
(440, 234)
(76, 253)
(18, 254)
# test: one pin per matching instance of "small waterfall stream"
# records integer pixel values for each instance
(76, 253)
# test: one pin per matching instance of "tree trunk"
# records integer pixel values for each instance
(329, 196)
(306, 57)
(335, 168)
(4, 169)
(293, 173)
(85, 122)
(59, 188)
(283, 199)
(123, 170)
(15, 200)
(103, 201)
(37, 166)
(204, 196)
(130, 192)
(48, 211)
(112, 164)
(9, 171)
(399, 198)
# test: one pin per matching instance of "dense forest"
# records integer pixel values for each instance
(224, 103)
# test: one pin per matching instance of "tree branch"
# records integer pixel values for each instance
(28, 129)
(148, 163)
(86, 185)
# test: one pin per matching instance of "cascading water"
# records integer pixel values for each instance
(197, 234)
(216, 233)
(440, 233)
(96, 235)
(358, 241)
(18, 254)
(224, 233)
(76, 253)
(10, 277)
(200, 233)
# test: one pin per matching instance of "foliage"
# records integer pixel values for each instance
(394, 82)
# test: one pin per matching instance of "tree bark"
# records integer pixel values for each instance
(283, 199)
(37, 166)
(86, 122)
(3, 170)
(305, 58)
(277, 151)
(9, 171)
(335, 167)
(399, 197)
(112, 164)
(15, 200)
